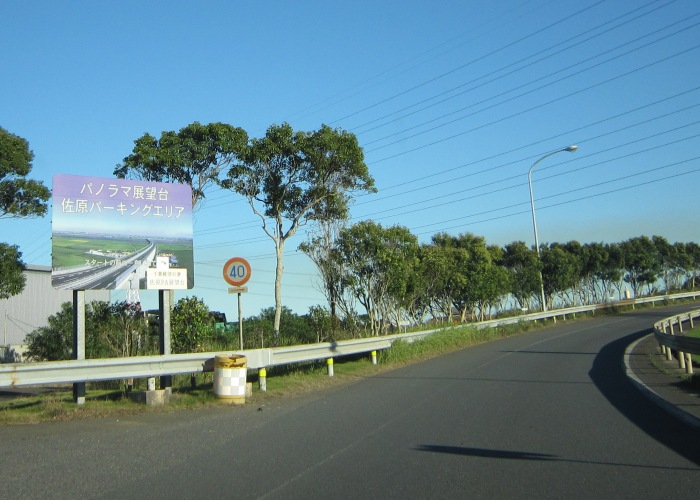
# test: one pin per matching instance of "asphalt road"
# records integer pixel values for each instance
(547, 414)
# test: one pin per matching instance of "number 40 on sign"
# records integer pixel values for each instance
(237, 271)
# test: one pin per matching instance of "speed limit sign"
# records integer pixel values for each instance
(237, 271)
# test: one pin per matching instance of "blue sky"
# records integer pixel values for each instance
(452, 102)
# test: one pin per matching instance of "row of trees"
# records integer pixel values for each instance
(395, 279)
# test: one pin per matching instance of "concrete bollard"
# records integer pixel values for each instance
(262, 379)
(330, 366)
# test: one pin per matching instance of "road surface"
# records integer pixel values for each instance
(547, 414)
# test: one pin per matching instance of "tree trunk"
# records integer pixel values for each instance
(279, 248)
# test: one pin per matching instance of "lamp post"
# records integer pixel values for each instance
(570, 149)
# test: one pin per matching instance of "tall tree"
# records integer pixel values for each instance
(321, 249)
(641, 264)
(560, 273)
(19, 197)
(195, 156)
(379, 263)
(293, 178)
(524, 265)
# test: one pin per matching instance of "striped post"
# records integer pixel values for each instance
(262, 379)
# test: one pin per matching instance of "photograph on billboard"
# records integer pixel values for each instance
(121, 234)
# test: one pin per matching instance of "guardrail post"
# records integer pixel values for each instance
(690, 319)
(374, 357)
(681, 360)
(669, 355)
(329, 361)
(262, 379)
(680, 324)
(689, 364)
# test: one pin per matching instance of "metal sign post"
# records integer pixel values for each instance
(79, 341)
(237, 273)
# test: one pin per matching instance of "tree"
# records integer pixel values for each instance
(111, 330)
(692, 252)
(192, 325)
(560, 272)
(11, 277)
(640, 263)
(524, 266)
(19, 196)
(195, 156)
(116, 329)
(467, 259)
(378, 264)
(322, 251)
(53, 342)
(298, 178)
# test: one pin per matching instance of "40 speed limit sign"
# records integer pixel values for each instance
(237, 271)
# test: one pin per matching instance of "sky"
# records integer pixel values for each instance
(452, 101)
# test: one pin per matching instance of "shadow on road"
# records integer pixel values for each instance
(608, 375)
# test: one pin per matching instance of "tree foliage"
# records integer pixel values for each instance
(378, 267)
(11, 276)
(461, 275)
(111, 330)
(191, 324)
(19, 196)
(195, 156)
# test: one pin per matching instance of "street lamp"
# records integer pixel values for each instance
(570, 149)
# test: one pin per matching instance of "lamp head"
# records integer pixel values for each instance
(571, 148)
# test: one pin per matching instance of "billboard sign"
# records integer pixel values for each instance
(121, 234)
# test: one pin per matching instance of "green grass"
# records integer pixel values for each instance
(70, 251)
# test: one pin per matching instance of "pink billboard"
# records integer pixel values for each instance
(121, 234)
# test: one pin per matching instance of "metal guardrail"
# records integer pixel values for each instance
(665, 334)
(93, 370)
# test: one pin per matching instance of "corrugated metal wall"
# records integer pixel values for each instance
(23, 313)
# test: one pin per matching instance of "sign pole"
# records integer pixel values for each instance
(164, 332)
(79, 340)
(237, 272)
(240, 321)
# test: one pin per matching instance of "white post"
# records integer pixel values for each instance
(262, 379)
(330, 366)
